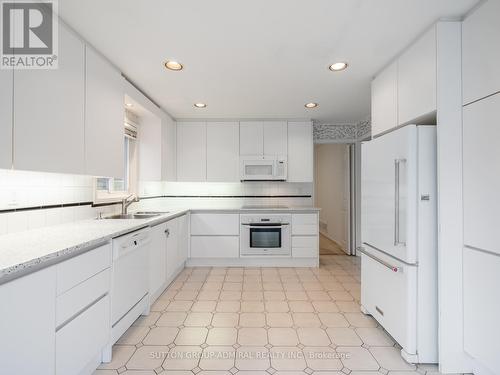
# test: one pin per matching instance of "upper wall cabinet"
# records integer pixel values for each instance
(275, 138)
(480, 52)
(251, 138)
(49, 112)
(169, 149)
(150, 148)
(417, 79)
(263, 138)
(300, 152)
(406, 90)
(223, 151)
(6, 81)
(191, 151)
(385, 100)
(104, 114)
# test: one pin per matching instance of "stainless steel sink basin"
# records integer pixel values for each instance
(133, 216)
(156, 213)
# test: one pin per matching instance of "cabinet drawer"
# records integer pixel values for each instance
(80, 268)
(305, 224)
(215, 247)
(387, 297)
(78, 342)
(76, 299)
(305, 247)
(215, 224)
(305, 252)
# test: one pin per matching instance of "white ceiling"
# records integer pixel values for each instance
(256, 58)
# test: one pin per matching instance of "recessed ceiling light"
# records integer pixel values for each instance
(129, 105)
(173, 65)
(200, 105)
(338, 66)
(311, 105)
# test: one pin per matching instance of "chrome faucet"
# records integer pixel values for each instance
(127, 202)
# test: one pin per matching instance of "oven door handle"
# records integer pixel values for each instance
(271, 225)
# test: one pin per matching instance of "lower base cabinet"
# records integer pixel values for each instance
(305, 246)
(57, 320)
(168, 253)
(79, 343)
(157, 260)
(215, 246)
(27, 324)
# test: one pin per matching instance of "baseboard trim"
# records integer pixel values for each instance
(342, 247)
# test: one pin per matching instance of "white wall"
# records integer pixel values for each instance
(331, 189)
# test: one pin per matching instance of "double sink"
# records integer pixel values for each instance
(137, 215)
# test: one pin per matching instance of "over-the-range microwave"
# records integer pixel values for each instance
(263, 168)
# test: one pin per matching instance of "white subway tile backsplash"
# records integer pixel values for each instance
(251, 188)
(17, 222)
(21, 189)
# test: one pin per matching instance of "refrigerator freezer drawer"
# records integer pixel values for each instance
(388, 293)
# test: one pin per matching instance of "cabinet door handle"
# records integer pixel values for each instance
(167, 232)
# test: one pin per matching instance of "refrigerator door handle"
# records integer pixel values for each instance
(397, 165)
(378, 260)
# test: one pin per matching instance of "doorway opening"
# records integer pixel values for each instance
(335, 193)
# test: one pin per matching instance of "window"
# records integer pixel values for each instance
(111, 189)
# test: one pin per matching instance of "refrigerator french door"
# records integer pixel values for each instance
(399, 235)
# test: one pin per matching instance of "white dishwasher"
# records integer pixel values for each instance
(129, 296)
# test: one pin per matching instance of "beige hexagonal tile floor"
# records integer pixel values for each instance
(261, 321)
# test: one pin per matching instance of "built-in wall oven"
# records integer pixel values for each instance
(265, 235)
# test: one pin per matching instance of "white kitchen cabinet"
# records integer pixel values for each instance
(27, 324)
(183, 242)
(275, 138)
(191, 151)
(305, 247)
(480, 52)
(6, 92)
(417, 79)
(79, 342)
(173, 257)
(157, 260)
(169, 149)
(305, 224)
(215, 235)
(481, 180)
(251, 138)
(215, 247)
(481, 277)
(78, 269)
(215, 224)
(300, 152)
(385, 100)
(104, 117)
(49, 112)
(223, 151)
(149, 140)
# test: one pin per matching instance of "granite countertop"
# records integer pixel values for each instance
(25, 252)
(28, 251)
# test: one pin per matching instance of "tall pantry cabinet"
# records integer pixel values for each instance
(481, 184)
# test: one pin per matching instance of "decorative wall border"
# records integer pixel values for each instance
(52, 206)
(347, 133)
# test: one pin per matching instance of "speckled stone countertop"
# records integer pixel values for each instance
(25, 252)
